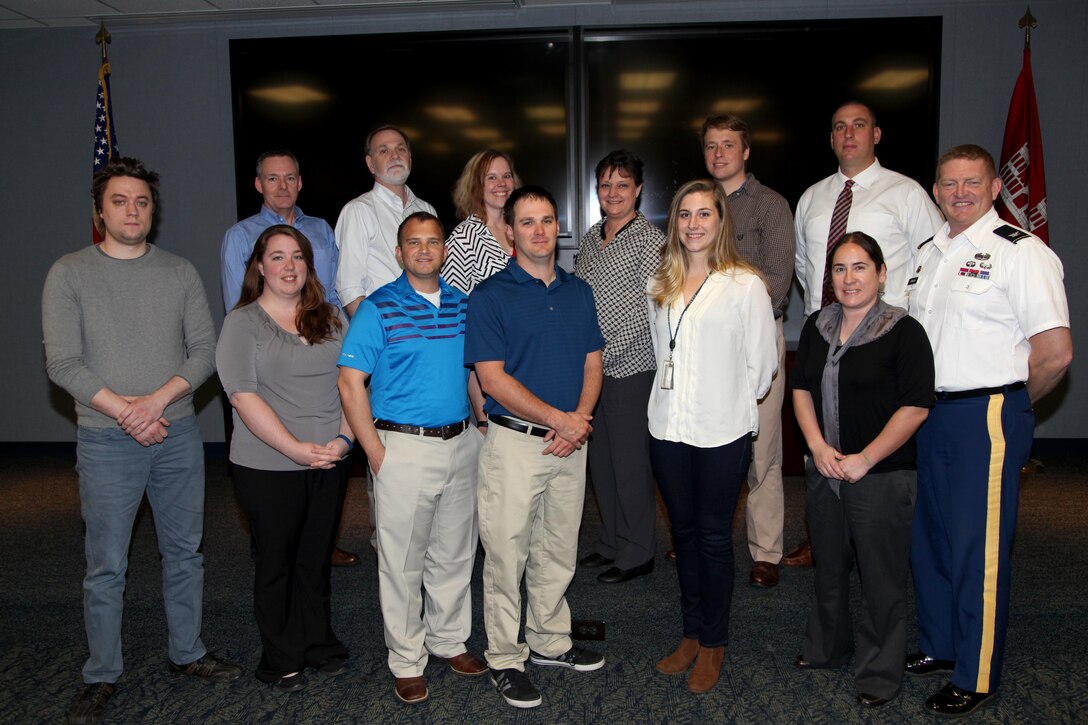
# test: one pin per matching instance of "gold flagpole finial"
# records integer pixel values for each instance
(1027, 23)
(102, 37)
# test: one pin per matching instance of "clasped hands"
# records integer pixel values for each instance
(315, 455)
(569, 435)
(142, 419)
(833, 464)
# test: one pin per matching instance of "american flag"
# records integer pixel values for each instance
(105, 135)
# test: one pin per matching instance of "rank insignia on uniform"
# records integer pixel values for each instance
(924, 244)
(982, 255)
(912, 281)
(970, 263)
(1011, 233)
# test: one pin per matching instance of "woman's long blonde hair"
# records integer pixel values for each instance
(668, 282)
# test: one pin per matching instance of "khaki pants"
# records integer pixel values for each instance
(530, 509)
(765, 511)
(425, 494)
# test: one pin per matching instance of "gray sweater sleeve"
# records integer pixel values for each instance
(62, 331)
(199, 332)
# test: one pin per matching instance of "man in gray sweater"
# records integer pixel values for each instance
(128, 334)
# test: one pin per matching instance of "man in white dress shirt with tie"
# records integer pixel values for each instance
(862, 196)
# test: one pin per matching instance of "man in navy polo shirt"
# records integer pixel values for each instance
(408, 338)
(533, 337)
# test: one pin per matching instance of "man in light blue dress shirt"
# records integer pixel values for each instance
(279, 182)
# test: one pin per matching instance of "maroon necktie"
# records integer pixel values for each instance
(834, 234)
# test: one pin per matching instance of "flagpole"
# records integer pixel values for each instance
(1028, 22)
(105, 137)
(102, 38)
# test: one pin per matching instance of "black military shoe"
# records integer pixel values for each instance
(919, 664)
(951, 701)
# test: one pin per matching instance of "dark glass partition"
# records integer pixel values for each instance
(559, 100)
(649, 90)
(452, 94)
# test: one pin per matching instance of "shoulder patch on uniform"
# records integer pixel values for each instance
(924, 243)
(1011, 233)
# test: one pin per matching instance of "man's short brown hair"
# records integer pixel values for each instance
(726, 122)
(968, 152)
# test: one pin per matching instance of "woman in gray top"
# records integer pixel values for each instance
(277, 361)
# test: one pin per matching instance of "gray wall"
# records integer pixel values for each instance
(172, 102)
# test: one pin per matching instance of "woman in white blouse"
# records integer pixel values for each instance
(714, 341)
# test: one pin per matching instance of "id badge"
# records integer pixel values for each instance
(666, 375)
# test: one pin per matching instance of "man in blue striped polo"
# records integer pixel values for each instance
(413, 423)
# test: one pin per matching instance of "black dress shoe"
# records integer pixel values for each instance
(615, 575)
(333, 666)
(951, 701)
(594, 560)
(919, 664)
(802, 664)
(871, 700)
(291, 683)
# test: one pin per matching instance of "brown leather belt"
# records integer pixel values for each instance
(517, 425)
(444, 432)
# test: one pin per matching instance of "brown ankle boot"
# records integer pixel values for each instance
(708, 666)
(679, 661)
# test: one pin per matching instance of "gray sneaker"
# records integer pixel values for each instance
(89, 707)
(515, 688)
(575, 658)
(209, 667)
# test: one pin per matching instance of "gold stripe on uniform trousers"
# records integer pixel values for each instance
(993, 539)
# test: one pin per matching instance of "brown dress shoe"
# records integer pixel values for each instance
(708, 667)
(801, 556)
(679, 661)
(410, 690)
(764, 574)
(344, 558)
(467, 664)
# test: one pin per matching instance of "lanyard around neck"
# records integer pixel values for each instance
(673, 334)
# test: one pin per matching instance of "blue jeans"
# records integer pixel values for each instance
(114, 473)
(700, 487)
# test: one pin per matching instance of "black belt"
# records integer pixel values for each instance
(978, 392)
(519, 426)
(444, 432)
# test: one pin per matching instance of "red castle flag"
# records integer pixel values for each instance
(1023, 183)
